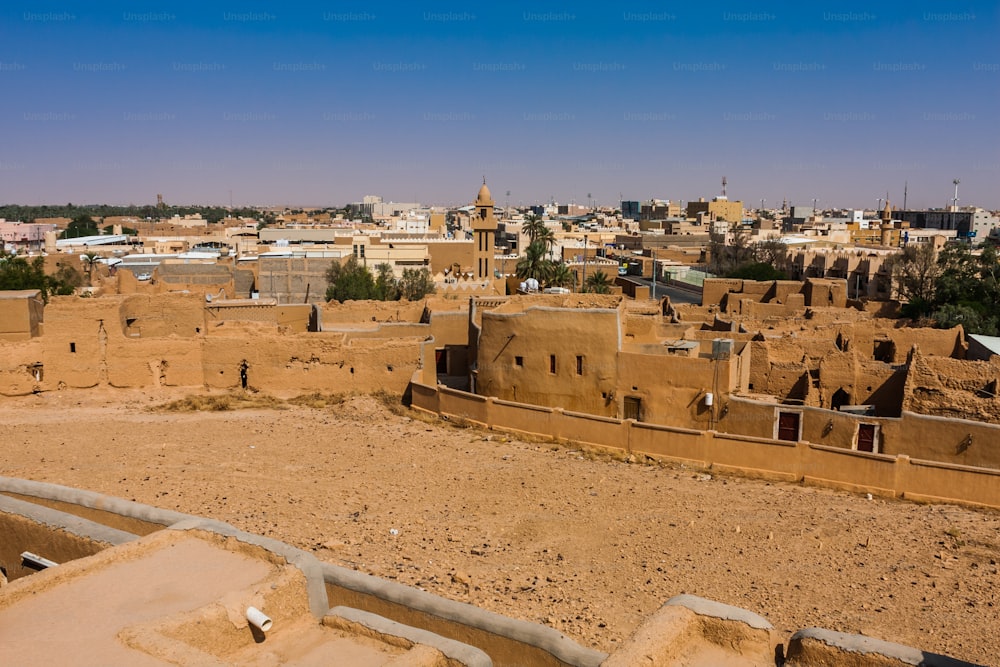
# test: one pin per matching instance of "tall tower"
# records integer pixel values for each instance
(886, 226)
(484, 229)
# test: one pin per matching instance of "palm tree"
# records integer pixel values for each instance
(534, 227)
(561, 276)
(88, 260)
(547, 239)
(598, 283)
(533, 264)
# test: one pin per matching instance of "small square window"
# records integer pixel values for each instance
(519, 362)
(579, 365)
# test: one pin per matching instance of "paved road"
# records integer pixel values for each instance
(676, 295)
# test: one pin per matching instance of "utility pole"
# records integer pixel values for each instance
(654, 274)
(583, 281)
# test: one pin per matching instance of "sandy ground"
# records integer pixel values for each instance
(532, 530)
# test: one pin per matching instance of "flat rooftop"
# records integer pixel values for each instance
(177, 597)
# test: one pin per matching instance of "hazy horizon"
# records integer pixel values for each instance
(280, 106)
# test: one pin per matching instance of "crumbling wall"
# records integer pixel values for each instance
(714, 290)
(353, 312)
(953, 388)
(198, 279)
(161, 315)
(829, 293)
(849, 379)
(21, 368)
(932, 342)
(298, 363)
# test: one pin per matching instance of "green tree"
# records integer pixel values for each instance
(598, 283)
(967, 290)
(128, 231)
(18, 273)
(81, 225)
(533, 264)
(65, 281)
(561, 275)
(915, 272)
(416, 284)
(756, 271)
(972, 319)
(386, 286)
(533, 227)
(349, 281)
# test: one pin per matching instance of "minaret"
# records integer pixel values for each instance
(886, 223)
(484, 229)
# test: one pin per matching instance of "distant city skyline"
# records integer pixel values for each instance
(280, 105)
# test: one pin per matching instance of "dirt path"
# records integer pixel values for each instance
(530, 530)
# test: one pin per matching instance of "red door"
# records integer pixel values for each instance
(866, 437)
(788, 426)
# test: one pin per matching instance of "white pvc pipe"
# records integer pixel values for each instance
(37, 560)
(258, 619)
(709, 399)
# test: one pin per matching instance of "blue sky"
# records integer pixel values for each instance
(322, 104)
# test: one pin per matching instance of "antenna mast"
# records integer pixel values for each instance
(724, 187)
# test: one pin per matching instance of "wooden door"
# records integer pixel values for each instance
(633, 406)
(866, 437)
(788, 426)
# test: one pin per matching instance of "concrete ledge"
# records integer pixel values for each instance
(91, 500)
(546, 639)
(463, 654)
(817, 647)
(62, 521)
(689, 630)
(725, 612)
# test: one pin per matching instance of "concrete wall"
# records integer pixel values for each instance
(288, 279)
(198, 279)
